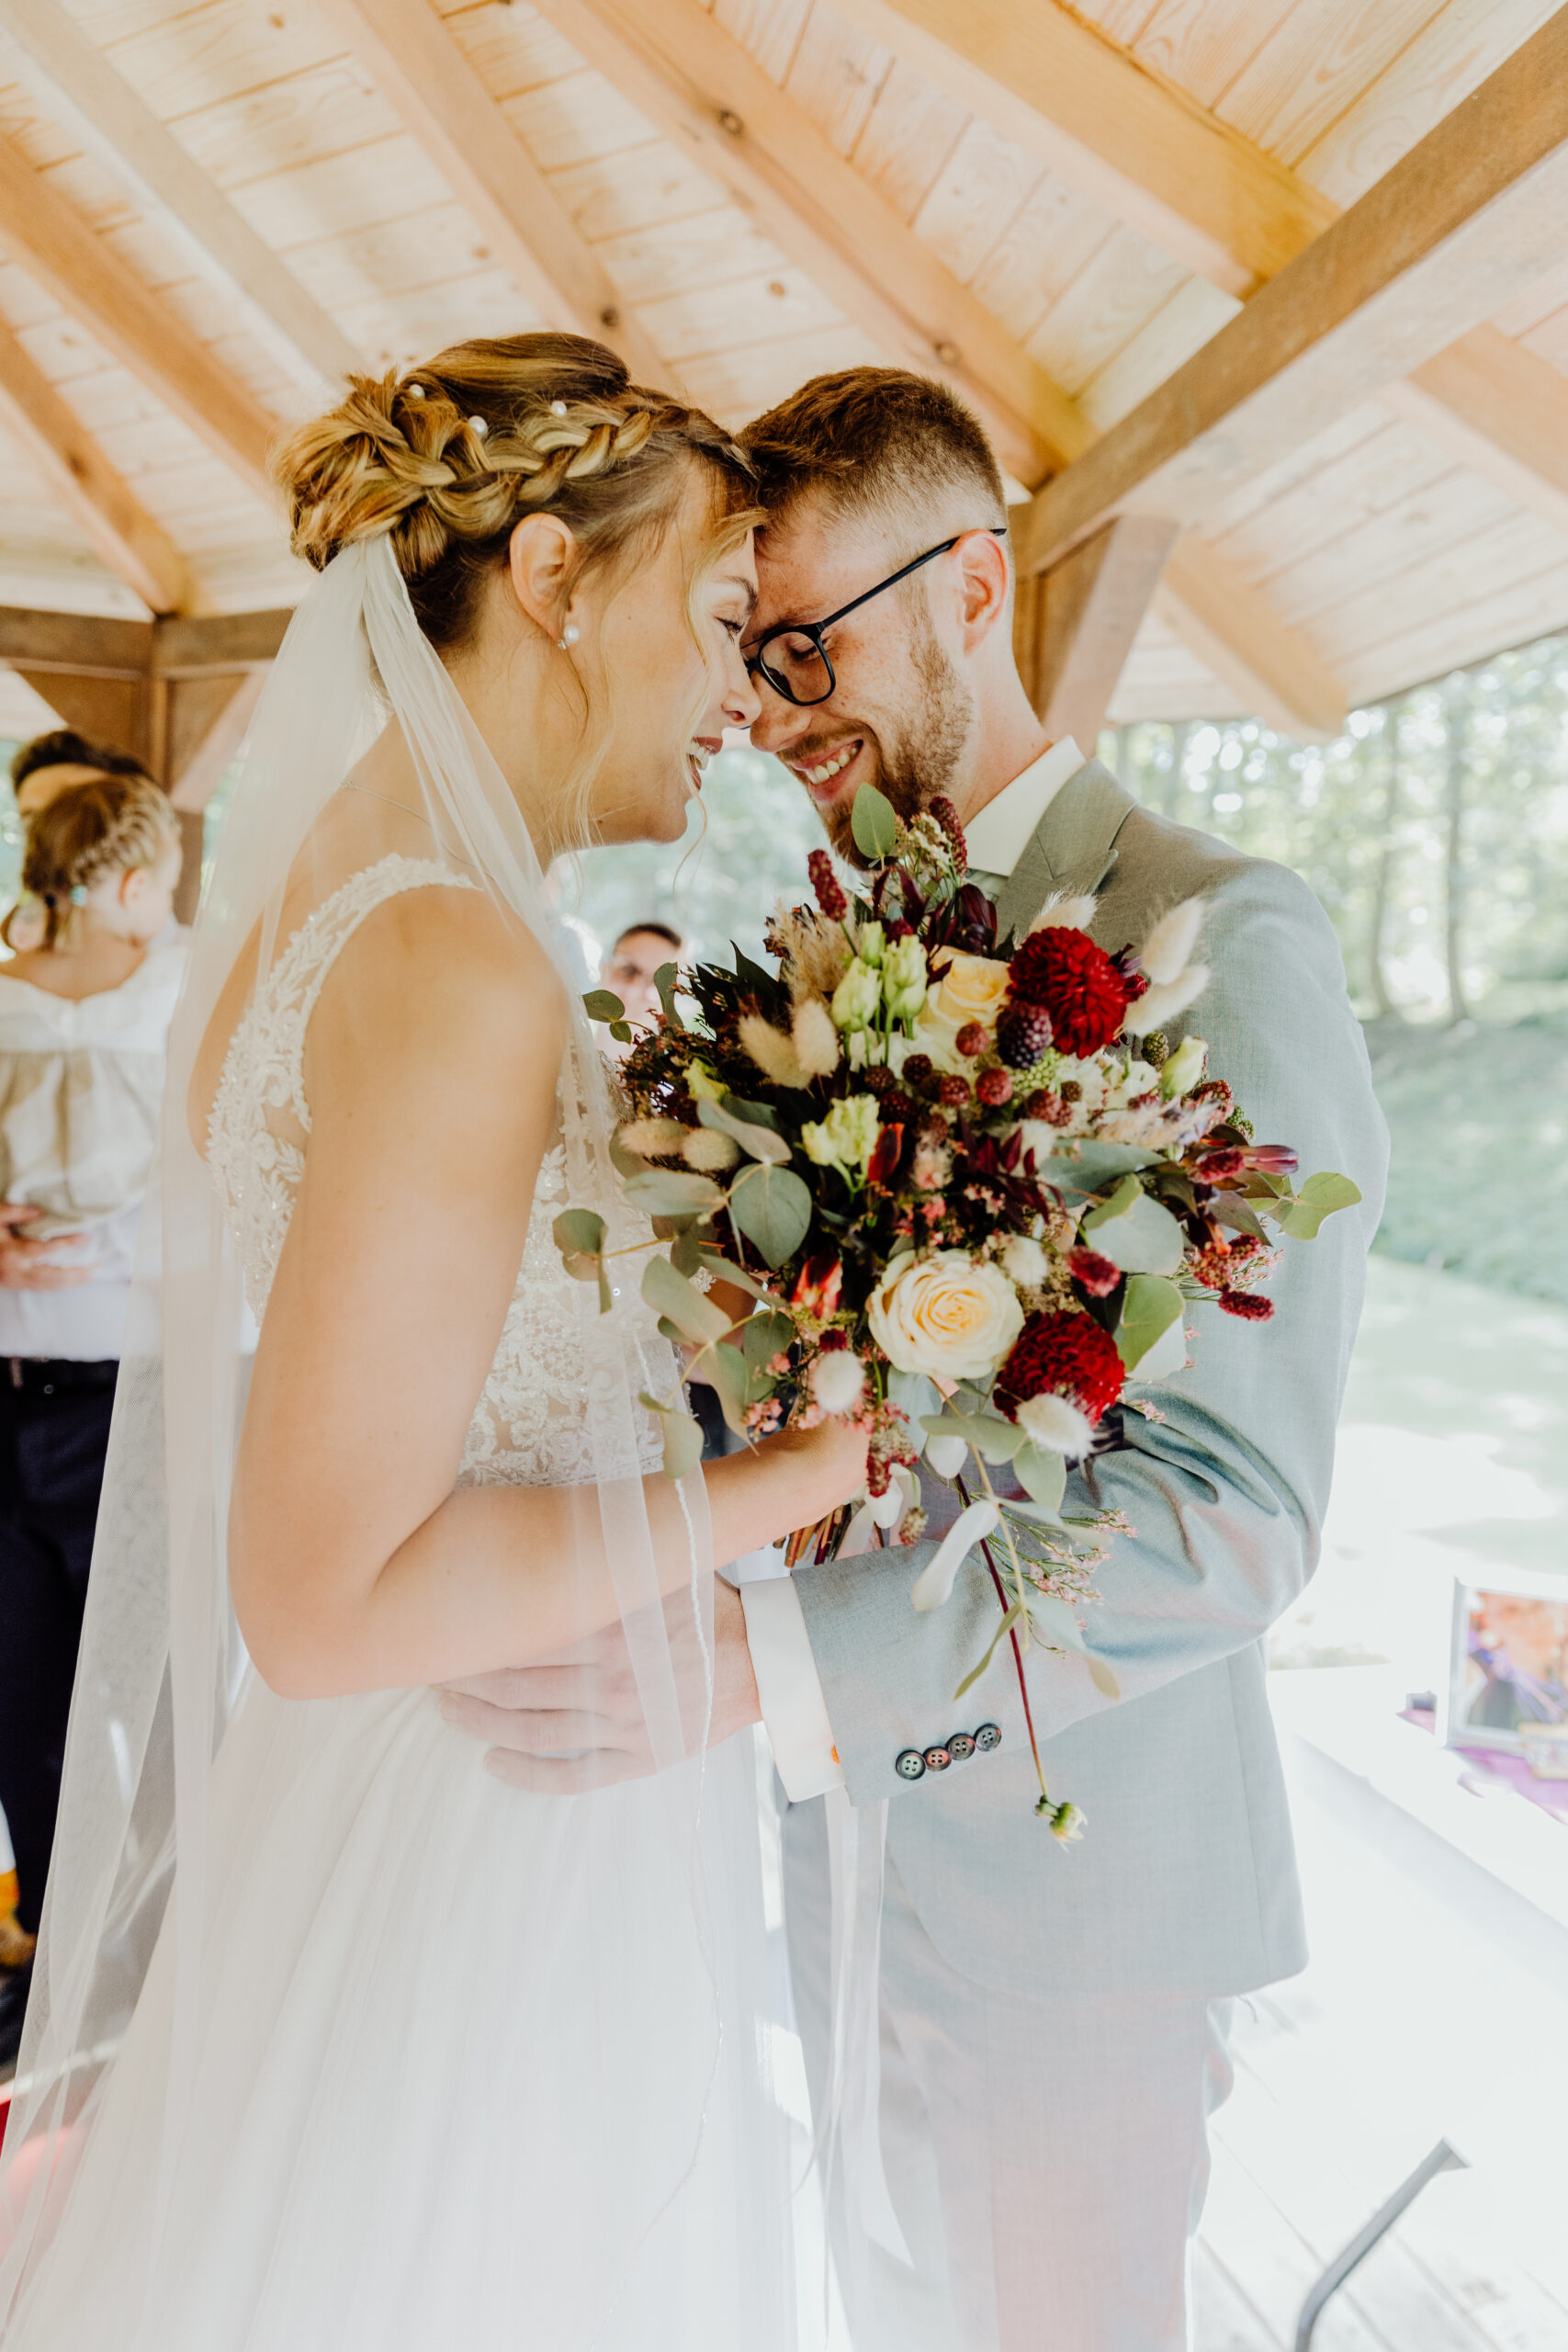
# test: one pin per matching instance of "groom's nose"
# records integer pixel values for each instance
(778, 723)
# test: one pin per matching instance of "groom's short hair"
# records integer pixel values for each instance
(874, 441)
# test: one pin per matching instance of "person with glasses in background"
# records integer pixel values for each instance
(641, 951)
(85, 1009)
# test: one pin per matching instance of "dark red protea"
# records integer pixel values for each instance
(1023, 1033)
(1078, 984)
(1223, 1166)
(1094, 1274)
(1064, 1355)
(817, 1287)
(994, 1087)
(825, 882)
(1248, 1306)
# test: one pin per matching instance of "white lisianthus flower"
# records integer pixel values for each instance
(904, 977)
(703, 1085)
(846, 1138)
(1023, 1261)
(870, 941)
(1056, 1424)
(858, 997)
(838, 1380)
(1142, 1079)
(1183, 1068)
(947, 1315)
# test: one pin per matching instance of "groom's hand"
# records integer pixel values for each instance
(577, 1722)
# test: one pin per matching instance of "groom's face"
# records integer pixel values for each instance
(902, 709)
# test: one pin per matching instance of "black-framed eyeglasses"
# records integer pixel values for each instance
(793, 657)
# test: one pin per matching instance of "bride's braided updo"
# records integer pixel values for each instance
(447, 459)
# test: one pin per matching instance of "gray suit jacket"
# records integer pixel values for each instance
(1186, 1880)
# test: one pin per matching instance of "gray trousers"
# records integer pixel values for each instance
(1047, 2160)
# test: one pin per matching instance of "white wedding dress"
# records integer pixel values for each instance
(409, 2126)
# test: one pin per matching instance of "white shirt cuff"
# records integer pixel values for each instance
(794, 1712)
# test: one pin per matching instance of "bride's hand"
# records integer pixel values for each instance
(782, 1483)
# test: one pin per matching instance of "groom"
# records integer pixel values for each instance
(1053, 2024)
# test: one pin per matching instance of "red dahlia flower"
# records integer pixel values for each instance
(1064, 1355)
(1078, 984)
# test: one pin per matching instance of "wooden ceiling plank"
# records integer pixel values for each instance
(48, 238)
(704, 90)
(133, 546)
(426, 77)
(114, 122)
(1127, 137)
(1237, 634)
(84, 644)
(1008, 69)
(1462, 223)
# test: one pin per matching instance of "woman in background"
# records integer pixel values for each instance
(84, 1022)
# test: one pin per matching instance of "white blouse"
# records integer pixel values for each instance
(81, 1083)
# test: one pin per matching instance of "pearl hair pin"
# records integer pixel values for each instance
(558, 408)
(479, 424)
(569, 636)
(416, 391)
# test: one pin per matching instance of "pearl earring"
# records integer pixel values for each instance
(569, 636)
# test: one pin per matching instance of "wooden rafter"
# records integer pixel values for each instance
(1236, 633)
(1207, 196)
(138, 550)
(1074, 629)
(54, 245)
(696, 82)
(698, 85)
(1135, 143)
(442, 100)
(81, 85)
(1471, 216)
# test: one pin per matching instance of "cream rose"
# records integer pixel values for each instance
(945, 1315)
(971, 989)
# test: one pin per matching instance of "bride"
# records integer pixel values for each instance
(336, 2042)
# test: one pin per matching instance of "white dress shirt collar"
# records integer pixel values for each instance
(998, 836)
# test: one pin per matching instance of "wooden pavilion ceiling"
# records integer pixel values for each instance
(207, 211)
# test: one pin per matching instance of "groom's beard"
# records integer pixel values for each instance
(919, 755)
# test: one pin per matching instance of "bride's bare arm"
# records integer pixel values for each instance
(430, 1070)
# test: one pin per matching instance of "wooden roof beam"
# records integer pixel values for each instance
(1207, 196)
(417, 65)
(703, 90)
(79, 83)
(1474, 214)
(698, 85)
(45, 237)
(135, 548)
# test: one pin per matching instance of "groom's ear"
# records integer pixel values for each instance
(984, 581)
(541, 559)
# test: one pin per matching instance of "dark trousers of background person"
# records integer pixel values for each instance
(54, 1431)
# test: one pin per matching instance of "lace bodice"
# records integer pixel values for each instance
(531, 1424)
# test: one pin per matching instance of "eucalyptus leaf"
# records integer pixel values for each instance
(874, 824)
(1092, 1167)
(763, 1337)
(913, 1394)
(603, 1004)
(1134, 1232)
(686, 1251)
(681, 1304)
(762, 1143)
(622, 1031)
(730, 1382)
(1100, 1674)
(772, 1208)
(1318, 1198)
(673, 1191)
(625, 1162)
(1042, 1473)
(666, 980)
(756, 1115)
(730, 1272)
(1058, 1628)
(1149, 1307)
(1227, 1209)
(579, 1233)
(682, 1438)
(1003, 1630)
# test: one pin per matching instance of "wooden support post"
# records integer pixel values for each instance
(177, 694)
(1074, 627)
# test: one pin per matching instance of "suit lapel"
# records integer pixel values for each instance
(1071, 850)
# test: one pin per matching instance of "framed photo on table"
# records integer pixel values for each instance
(1508, 1667)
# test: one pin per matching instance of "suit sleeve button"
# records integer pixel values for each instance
(938, 1760)
(989, 1736)
(911, 1765)
(960, 1748)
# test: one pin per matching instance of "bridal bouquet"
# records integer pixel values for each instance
(972, 1190)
